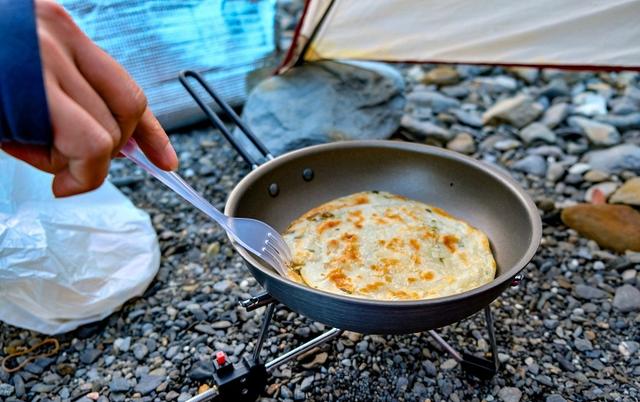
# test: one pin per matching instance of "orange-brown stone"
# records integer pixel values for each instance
(616, 227)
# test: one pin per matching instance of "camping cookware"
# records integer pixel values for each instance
(282, 188)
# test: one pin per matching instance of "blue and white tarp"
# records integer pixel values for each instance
(156, 39)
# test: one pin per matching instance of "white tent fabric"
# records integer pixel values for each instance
(567, 33)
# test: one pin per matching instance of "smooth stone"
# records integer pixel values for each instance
(6, 389)
(510, 394)
(517, 111)
(628, 193)
(586, 292)
(555, 88)
(547, 150)
(589, 104)
(537, 131)
(598, 133)
(89, 356)
(627, 299)
(629, 276)
(555, 171)
(507, 144)
(122, 344)
(140, 351)
(532, 164)
(223, 286)
(470, 119)
(616, 227)
(223, 324)
(595, 176)
(441, 75)
(554, 398)
(435, 101)
(462, 143)
(148, 383)
(583, 345)
(555, 114)
(606, 189)
(448, 364)
(624, 122)
(425, 129)
(496, 84)
(307, 384)
(119, 384)
(325, 101)
(579, 168)
(527, 74)
(628, 348)
(615, 159)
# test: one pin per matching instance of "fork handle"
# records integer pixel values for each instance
(172, 180)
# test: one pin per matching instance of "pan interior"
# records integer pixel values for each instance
(463, 187)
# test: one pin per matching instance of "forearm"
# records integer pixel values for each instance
(24, 116)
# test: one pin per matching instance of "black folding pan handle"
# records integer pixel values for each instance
(215, 120)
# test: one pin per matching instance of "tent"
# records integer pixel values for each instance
(576, 34)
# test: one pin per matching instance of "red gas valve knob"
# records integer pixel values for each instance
(221, 358)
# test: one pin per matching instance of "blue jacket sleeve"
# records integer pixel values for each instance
(24, 115)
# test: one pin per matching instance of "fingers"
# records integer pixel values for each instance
(154, 142)
(59, 65)
(82, 140)
(122, 95)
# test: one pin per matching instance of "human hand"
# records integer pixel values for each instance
(94, 107)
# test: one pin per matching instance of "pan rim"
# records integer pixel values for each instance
(512, 184)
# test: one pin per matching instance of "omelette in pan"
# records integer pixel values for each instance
(383, 246)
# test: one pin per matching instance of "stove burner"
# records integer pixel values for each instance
(245, 381)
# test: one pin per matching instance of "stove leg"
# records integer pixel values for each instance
(477, 366)
(263, 332)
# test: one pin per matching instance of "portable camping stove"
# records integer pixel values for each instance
(244, 381)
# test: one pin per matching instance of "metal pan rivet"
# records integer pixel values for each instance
(451, 184)
(274, 190)
(307, 174)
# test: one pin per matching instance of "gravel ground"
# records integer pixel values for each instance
(561, 335)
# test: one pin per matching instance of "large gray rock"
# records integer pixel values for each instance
(325, 101)
(615, 159)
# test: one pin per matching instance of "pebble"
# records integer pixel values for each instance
(583, 345)
(595, 176)
(556, 114)
(462, 143)
(448, 364)
(122, 344)
(441, 75)
(601, 134)
(140, 351)
(628, 348)
(223, 286)
(532, 164)
(629, 276)
(589, 292)
(509, 394)
(6, 390)
(627, 299)
(119, 384)
(435, 101)
(148, 383)
(615, 159)
(89, 356)
(307, 384)
(589, 104)
(425, 129)
(555, 398)
(537, 132)
(517, 111)
(628, 193)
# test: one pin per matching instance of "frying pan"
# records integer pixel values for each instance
(283, 188)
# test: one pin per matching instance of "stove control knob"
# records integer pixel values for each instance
(221, 358)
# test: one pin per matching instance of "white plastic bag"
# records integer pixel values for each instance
(67, 262)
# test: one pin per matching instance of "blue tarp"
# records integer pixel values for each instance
(156, 39)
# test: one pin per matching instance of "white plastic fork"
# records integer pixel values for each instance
(254, 235)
